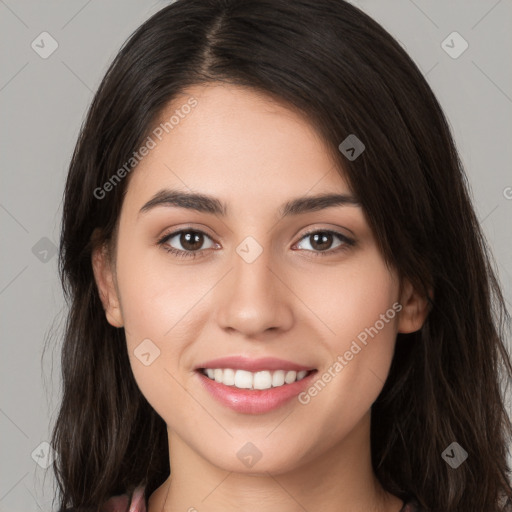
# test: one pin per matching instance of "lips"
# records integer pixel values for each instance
(253, 365)
(251, 401)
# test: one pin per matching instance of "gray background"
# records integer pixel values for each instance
(43, 102)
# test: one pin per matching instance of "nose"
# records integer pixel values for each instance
(255, 297)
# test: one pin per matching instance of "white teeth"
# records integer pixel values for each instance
(262, 380)
(217, 374)
(278, 378)
(228, 377)
(258, 380)
(290, 377)
(243, 379)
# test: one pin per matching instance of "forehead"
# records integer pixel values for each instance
(235, 143)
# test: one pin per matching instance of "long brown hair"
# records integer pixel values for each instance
(347, 75)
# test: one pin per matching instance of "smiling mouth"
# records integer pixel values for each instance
(261, 380)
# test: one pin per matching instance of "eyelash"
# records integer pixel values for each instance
(347, 243)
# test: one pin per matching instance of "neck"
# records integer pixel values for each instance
(339, 480)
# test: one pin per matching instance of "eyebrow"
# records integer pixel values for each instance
(209, 204)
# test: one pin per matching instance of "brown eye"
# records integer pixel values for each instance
(321, 242)
(189, 242)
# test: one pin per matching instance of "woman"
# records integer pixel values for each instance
(280, 296)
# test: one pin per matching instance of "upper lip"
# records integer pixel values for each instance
(253, 365)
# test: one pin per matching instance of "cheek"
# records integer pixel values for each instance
(361, 313)
(367, 319)
(348, 298)
(161, 305)
(156, 299)
(157, 334)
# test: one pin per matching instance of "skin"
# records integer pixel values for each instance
(254, 154)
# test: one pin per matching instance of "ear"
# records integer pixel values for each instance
(415, 309)
(104, 277)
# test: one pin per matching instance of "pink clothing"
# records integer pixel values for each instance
(119, 503)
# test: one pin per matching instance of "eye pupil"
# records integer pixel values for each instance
(191, 240)
(323, 237)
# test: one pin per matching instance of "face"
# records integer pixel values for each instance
(309, 287)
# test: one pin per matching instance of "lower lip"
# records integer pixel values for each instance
(254, 401)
